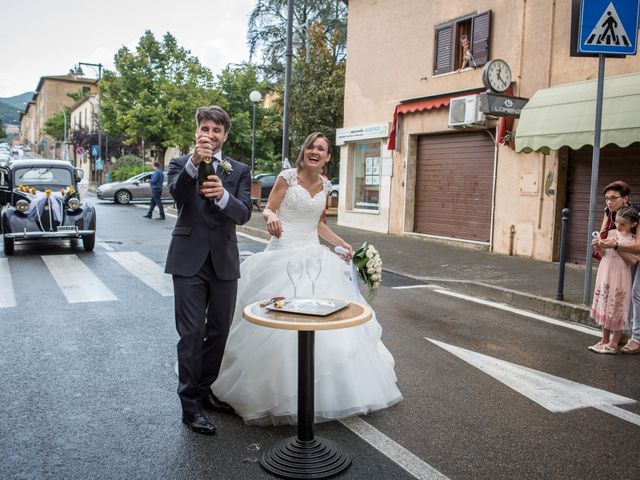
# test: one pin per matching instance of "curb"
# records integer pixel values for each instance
(565, 311)
(254, 232)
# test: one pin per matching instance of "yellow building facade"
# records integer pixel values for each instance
(49, 98)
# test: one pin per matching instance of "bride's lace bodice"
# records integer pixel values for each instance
(299, 213)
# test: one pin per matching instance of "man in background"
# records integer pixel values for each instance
(157, 179)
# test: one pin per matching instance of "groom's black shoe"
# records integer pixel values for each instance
(199, 423)
(211, 402)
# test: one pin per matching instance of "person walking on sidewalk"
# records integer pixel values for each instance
(157, 179)
(611, 298)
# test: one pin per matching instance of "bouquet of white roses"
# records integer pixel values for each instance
(369, 265)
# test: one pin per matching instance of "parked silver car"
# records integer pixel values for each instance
(133, 189)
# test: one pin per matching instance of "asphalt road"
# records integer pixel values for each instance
(90, 385)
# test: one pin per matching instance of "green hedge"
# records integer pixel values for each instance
(126, 167)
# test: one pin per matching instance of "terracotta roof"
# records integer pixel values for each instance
(64, 78)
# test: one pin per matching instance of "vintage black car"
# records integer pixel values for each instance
(40, 202)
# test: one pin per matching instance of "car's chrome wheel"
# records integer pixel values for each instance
(333, 194)
(9, 245)
(122, 197)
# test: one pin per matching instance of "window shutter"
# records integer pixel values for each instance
(480, 36)
(443, 50)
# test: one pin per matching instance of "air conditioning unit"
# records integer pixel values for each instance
(464, 112)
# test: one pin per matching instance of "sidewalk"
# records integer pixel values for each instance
(516, 281)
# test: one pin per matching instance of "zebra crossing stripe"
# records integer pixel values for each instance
(78, 283)
(7, 296)
(146, 270)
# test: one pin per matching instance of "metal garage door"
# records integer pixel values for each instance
(615, 164)
(454, 185)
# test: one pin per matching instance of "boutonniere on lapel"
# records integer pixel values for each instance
(226, 167)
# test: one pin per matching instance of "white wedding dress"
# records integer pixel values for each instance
(258, 377)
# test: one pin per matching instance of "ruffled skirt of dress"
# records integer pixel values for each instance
(353, 369)
(612, 294)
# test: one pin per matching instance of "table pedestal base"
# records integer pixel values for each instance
(316, 458)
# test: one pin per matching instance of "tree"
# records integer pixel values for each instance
(235, 84)
(85, 138)
(54, 126)
(78, 94)
(153, 95)
(267, 32)
(317, 95)
(3, 132)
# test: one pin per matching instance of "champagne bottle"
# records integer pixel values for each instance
(204, 170)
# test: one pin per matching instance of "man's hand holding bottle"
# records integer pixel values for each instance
(209, 183)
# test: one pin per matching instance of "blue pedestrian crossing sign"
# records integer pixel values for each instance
(95, 150)
(609, 27)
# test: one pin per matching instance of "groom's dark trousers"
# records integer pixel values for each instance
(204, 262)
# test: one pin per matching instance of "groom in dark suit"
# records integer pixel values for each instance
(204, 262)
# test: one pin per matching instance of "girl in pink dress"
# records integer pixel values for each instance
(612, 295)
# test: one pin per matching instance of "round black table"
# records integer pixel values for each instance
(306, 455)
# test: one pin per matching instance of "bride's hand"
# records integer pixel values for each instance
(274, 227)
(346, 256)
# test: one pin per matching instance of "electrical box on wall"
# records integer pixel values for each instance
(464, 112)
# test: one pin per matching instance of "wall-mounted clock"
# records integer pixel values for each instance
(496, 75)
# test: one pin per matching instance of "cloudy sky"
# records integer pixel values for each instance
(47, 37)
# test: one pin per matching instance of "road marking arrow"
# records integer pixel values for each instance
(556, 394)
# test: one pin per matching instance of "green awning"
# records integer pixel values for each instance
(564, 115)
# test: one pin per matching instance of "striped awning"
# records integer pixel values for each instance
(564, 115)
(432, 102)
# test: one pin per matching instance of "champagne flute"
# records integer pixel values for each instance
(313, 267)
(294, 271)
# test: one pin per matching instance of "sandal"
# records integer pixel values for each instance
(596, 348)
(631, 348)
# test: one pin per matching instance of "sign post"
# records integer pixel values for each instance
(607, 27)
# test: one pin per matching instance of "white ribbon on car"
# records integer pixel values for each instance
(38, 202)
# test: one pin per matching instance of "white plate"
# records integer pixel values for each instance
(311, 306)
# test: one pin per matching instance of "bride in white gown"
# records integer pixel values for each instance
(353, 369)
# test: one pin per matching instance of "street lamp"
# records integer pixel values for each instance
(287, 86)
(255, 97)
(80, 73)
